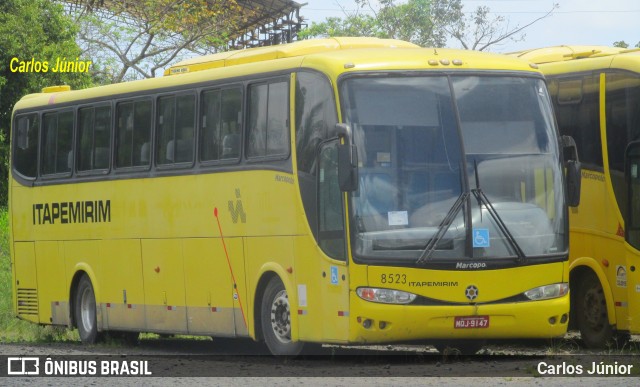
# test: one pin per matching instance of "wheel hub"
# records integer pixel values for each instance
(281, 317)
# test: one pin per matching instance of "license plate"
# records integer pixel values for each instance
(464, 322)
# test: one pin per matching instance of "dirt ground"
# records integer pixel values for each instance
(178, 361)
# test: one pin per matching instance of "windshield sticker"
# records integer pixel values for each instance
(398, 218)
(481, 237)
(384, 158)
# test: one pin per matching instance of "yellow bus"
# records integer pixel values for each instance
(346, 190)
(596, 95)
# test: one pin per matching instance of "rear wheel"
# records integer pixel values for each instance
(275, 318)
(85, 311)
(591, 314)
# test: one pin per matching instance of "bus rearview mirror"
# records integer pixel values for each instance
(347, 159)
(573, 171)
(347, 167)
(574, 182)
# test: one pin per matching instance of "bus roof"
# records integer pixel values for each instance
(564, 53)
(562, 59)
(331, 56)
(301, 48)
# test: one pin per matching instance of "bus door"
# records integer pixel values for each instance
(332, 239)
(629, 276)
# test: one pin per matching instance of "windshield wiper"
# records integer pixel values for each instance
(483, 199)
(443, 227)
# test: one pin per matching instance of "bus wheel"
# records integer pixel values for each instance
(591, 314)
(276, 320)
(85, 311)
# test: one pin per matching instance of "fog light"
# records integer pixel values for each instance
(366, 323)
(552, 320)
(382, 325)
(564, 318)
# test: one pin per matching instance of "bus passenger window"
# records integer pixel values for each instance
(133, 133)
(57, 140)
(94, 128)
(268, 109)
(174, 130)
(26, 145)
(220, 124)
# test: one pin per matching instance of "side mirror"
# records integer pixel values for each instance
(573, 171)
(347, 160)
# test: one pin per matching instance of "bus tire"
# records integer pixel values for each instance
(591, 314)
(275, 317)
(85, 311)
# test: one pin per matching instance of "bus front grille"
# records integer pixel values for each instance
(27, 301)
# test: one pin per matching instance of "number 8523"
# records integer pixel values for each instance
(393, 278)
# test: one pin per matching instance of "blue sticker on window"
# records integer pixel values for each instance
(481, 237)
(334, 275)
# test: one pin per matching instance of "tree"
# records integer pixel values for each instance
(412, 21)
(623, 44)
(425, 23)
(135, 39)
(38, 30)
(479, 31)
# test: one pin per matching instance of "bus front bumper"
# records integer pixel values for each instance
(379, 323)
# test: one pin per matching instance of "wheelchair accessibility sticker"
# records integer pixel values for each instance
(481, 237)
(334, 275)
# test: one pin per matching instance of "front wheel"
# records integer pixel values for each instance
(591, 314)
(275, 318)
(85, 311)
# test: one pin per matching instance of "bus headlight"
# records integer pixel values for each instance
(385, 296)
(548, 291)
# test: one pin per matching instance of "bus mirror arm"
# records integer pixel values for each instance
(347, 160)
(573, 170)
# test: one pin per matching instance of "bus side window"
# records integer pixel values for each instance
(94, 139)
(576, 105)
(133, 133)
(57, 142)
(165, 129)
(175, 128)
(268, 111)
(25, 149)
(220, 124)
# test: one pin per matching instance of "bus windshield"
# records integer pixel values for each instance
(454, 167)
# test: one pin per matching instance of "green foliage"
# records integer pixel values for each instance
(413, 21)
(11, 328)
(38, 30)
(133, 40)
(623, 44)
(427, 23)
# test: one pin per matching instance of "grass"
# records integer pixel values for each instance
(13, 329)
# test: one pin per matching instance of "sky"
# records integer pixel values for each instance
(574, 22)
